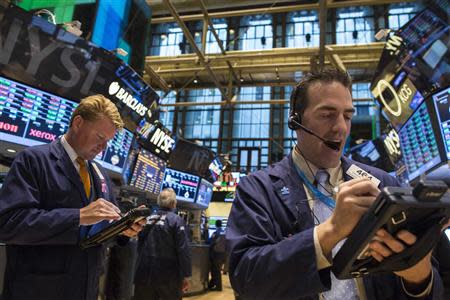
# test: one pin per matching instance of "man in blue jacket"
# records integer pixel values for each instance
(164, 263)
(289, 219)
(50, 199)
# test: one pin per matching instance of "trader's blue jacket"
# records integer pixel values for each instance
(270, 239)
(39, 221)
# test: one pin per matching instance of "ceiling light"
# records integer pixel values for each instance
(195, 80)
(11, 150)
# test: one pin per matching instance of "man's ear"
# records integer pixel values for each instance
(77, 123)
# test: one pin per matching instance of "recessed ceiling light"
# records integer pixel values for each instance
(11, 150)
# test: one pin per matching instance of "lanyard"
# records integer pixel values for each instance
(328, 201)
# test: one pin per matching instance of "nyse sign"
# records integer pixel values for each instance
(392, 143)
(157, 138)
(163, 141)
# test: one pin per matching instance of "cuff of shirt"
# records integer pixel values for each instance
(426, 292)
(321, 261)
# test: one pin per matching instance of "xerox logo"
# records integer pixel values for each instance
(42, 135)
(121, 94)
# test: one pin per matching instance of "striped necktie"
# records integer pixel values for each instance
(84, 175)
(340, 289)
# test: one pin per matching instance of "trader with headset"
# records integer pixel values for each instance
(288, 220)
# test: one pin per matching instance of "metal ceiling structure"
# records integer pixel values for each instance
(273, 67)
(259, 67)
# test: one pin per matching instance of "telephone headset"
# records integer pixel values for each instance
(295, 120)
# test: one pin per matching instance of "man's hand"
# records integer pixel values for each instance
(185, 286)
(385, 245)
(352, 201)
(135, 228)
(97, 211)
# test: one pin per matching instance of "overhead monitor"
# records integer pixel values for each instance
(156, 138)
(215, 168)
(204, 193)
(45, 56)
(421, 145)
(191, 158)
(115, 155)
(414, 64)
(148, 172)
(30, 116)
(184, 184)
(441, 101)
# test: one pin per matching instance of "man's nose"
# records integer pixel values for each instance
(340, 125)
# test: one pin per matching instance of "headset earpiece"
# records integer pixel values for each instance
(294, 121)
(294, 118)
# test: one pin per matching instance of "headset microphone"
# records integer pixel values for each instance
(334, 145)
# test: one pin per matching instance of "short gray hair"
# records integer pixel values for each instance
(167, 198)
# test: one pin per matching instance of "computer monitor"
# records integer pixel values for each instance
(413, 65)
(148, 172)
(74, 68)
(418, 143)
(215, 168)
(441, 102)
(204, 193)
(191, 158)
(184, 184)
(30, 116)
(115, 155)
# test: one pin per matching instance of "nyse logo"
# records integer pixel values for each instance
(392, 143)
(163, 141)
(393, 44)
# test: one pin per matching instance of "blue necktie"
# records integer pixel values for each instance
(340, 289)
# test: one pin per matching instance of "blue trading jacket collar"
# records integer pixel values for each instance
(286, 167)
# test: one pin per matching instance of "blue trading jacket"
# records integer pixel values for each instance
(270, 239)
(39, 221)
(164, 253)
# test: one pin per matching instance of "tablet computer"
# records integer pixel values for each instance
(116, 227)
(395, 208)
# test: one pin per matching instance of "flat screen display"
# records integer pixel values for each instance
(413, 65)
(191, 158)
(148, 172)
(215, 168)
(441, 101)
(43, 55)
(204, 193)
(447, 232)
(29, 116)
(418, 143)
(115, 155)
(184, 184)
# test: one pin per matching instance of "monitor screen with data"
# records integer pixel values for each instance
(419, 144)
(184, 184)
(148, 172)
(441, 101)
(30, 116)
(115, 155)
